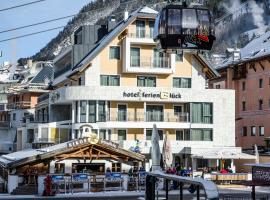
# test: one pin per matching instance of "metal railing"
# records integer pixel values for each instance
(142, 34)
(5, 124)
(19, 105)
(210, 189)
(44, 140)
(150, 62)
(148, 117)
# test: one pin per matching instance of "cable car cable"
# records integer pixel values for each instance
(21, 5)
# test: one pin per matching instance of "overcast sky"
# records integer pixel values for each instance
(42, 11)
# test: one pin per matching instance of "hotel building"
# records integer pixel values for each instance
(120, 86)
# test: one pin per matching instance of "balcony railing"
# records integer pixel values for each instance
(148, 117)
(141, 34)
(19, 105)
(149, 62)
(5, 124)
(44, 140)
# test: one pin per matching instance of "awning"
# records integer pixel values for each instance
(223, 154)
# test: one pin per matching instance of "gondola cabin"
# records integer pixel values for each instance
(179, 27)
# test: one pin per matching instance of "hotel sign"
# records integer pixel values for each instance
(155, 95)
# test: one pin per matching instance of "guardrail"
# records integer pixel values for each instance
(210, 189)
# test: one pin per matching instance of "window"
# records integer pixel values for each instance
(260, 104)
(83, 111)
(151, 27)
(159, 60)
(14, 116)
(243, 106)
(109, 80)
(114, 52)
(202, 113)
(146, 81)
(122, 135)
(174, 21)
(178, 110)
(217, 86)
(140, 29)
(116, 167)
(135, 57)
(30, 135)
(261, 130)
(154, 113)
(260, 83)
(244, 131)
(78, 36)
(189, 22)
(253, 130)
(81, 81)
(195, 135)
(178, 57)
(101, 111)
(102, 134)
(76, 111)
(243, 86)
(122, 113)
(182, 82)
(149, 134)
(92, 111)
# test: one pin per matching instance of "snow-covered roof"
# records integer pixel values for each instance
(257, 48)
(148, 10)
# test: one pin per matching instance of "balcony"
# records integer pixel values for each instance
(43, 97)
(19, 105)
(149, 62)
(147, 117)
(5, 125)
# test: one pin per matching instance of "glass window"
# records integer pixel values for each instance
(149, 134)
(243, 106)
(122, 135)
(116, 167)
(122, 113)
(189, 22)
(154, 113)
(244, 131)
(260, 83)
(76, 111)
(109, 80)
(92, 111)
(181, 82)
(162, 23)
(204, 22)
(174, 21)
(101, 111)
(178, 110)
(114, 52)
(102, 134)
(151, 27)
(146, 81)
(253, 130)
(202, 113)
(260, 104)
(243, 85)
(78, 36)
(135, 57)
(261, 130)
(83, 111)
(14, 116)
(140, 28)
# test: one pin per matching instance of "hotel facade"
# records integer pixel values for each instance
(121, 86)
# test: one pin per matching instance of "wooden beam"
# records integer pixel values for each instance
(261, 65)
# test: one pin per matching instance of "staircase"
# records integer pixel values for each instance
(25, 190)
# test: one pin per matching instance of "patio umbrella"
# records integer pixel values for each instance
(155, 150)
(257, 156)
(167, 151)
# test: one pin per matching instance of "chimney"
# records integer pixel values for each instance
(236, 54)
(125, 15)
(111, 23)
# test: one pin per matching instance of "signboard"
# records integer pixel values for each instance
(261, 174)
(154, 95)
(79, 177)
(57, 178)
